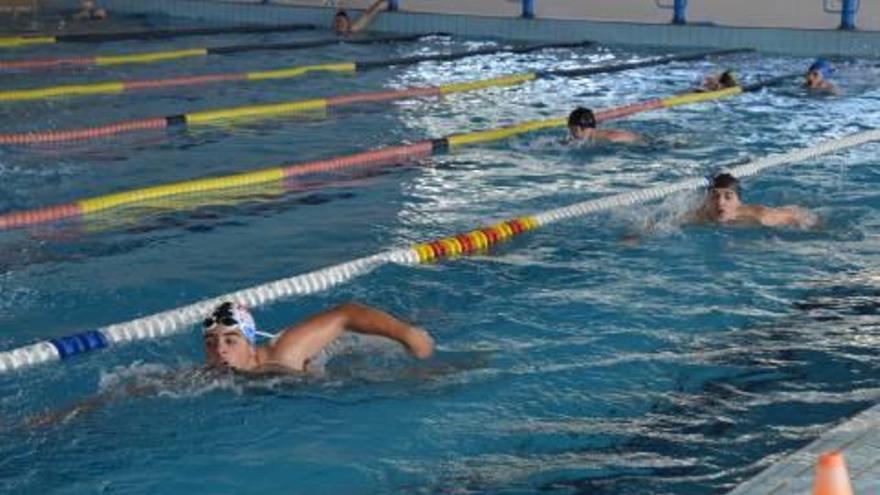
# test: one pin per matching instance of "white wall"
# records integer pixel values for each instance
(616, 10)
(501, 8)
(806, 14)
(869, 15)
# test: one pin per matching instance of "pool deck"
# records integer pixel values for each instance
(858, 439)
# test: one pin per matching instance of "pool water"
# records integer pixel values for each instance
(570, 360)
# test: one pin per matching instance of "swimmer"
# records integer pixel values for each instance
(343, 25)
(722, 205)
(817, 77)
(717, 82)
(230, 344)
(582, 127)
(230, 337)
(90, 12)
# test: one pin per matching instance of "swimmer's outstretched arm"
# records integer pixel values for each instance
(88, 405)
(299, 343)
(367, 17)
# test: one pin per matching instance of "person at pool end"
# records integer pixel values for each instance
(230, 337)
(717, 82)
(817, 77)
(582, 127)
(343, 25)
(722, 205)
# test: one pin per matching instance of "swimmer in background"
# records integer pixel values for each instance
(582, 127)
(817, 77)
(343, 25)
(89, 11)
(717, 82)
(722, 205)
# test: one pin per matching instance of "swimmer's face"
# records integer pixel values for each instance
(723, 203)
(580, 132)
(341, 24)
(712, 83)
(813, 79)
(227, 348)
(88, 4)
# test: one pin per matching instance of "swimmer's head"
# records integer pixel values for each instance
(341, 22)
(580, 121)
(819, 71)
(722, 197)
(727, 79)
(230, 337)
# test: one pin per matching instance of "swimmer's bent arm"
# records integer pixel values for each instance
(366, 18)
(298, 344)
(787, 215)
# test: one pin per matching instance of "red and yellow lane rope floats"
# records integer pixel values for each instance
(474, 241)
(382, 156)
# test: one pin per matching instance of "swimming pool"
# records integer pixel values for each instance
(569, 361)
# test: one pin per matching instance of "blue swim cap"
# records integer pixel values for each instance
(823, 67)
(232, 315)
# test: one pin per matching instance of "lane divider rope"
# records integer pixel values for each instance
(163, 56)
(117, 87)
(275, 109)
(26, 40)
(178, 320)
(381, 156)
(392, 154)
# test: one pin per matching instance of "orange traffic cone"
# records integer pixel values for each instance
(831, 475)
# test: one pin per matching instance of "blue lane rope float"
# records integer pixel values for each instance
(180, 319)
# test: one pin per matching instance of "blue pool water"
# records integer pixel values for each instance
(569, 360)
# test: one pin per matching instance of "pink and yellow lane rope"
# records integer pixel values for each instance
(252, 111)
(391, 154)
(104, 60)
(110, 87)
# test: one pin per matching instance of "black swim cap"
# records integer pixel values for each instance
(341, 13)
(582, 117)
(725, 181)
(728, 79)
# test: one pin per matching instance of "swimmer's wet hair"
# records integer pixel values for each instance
(341, 13)
(582, 117)
(724, 180)
(728, 79)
